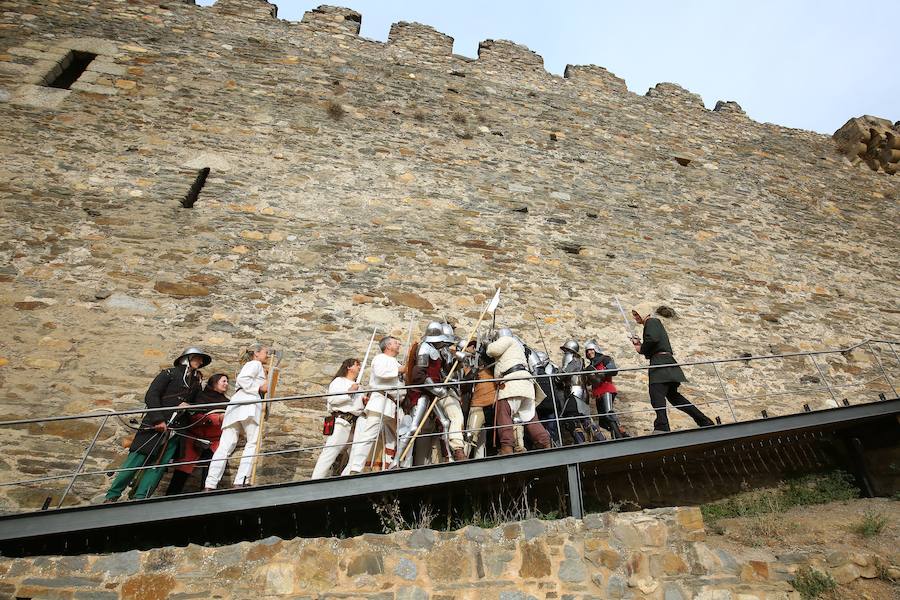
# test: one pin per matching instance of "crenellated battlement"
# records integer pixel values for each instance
(333, 19)
(676, 94)
(597, 77)
(421, 39)
(250, 9)
(729, 107)
(504, 53)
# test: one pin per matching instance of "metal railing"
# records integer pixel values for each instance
(830, 388)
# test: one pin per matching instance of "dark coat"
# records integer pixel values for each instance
(657, 348)
(167, 389)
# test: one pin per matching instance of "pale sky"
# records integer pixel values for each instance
(798, 63)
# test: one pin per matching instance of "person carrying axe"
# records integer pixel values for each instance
(175, 387)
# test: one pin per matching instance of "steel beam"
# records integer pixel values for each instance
(107, 517)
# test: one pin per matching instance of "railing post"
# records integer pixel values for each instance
(83, 460)
(576, 503)
(725, 392)
(812, 357)
(881, 366)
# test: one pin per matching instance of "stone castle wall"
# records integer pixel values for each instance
(357, 184)
(662, 554)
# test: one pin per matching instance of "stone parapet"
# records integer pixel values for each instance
(595, 76)
(333, 19)
(502, 59)
(420, 39)
(729, 107)
(246, 9)
(674, 93)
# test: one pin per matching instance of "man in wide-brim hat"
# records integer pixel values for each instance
(175, 387)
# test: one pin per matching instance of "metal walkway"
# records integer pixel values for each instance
(565, 475)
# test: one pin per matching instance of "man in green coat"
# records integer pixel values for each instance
(664, 381)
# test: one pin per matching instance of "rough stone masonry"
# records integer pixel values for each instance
(356, 184)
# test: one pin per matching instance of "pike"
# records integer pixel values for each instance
(365, 361)
(632, 334)
(409, 338)
(490, 308)
(274, 361)
(550, 379)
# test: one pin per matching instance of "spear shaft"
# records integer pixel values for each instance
(412, 440)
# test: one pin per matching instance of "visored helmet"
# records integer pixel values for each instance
(504, 332)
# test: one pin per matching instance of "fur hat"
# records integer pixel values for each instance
(644, 309)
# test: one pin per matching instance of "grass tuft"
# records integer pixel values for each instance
(811, 489)
(870, 525)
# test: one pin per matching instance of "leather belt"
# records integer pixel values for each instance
(350, 418)
(513, 369)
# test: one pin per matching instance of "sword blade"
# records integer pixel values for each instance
(628, 324)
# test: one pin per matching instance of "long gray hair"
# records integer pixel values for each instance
(248, 352)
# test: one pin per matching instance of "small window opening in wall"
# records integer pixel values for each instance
(194, 192)
(73, 65)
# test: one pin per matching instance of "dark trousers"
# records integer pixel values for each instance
(660, 392)
(533, 428)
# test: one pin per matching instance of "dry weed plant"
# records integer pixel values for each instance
(392, 517)
(335, 110)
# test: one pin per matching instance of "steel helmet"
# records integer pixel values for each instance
(183, 358)
(593, 345)
(447, 333)
(570, 346)
(434, 333)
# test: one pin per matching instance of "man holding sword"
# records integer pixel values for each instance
(663, 381)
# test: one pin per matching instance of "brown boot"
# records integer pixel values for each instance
(459, 455)
(542, 445)
(504, 450)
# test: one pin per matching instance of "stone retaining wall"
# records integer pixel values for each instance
(661, 554)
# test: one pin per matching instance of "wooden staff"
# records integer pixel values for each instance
(491, 307)
(270, 393)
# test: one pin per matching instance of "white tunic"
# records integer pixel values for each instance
(385, 374)
(345, 403)
(510, 353)
(252, 376)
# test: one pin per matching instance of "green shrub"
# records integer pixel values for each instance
(813, 584)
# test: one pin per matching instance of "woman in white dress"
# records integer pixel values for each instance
(242, 415)
(345, 408)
